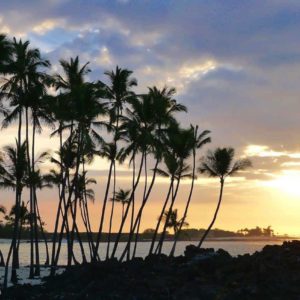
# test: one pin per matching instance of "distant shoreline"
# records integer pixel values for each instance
(212, 239)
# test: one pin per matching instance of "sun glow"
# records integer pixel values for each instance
(287, 182)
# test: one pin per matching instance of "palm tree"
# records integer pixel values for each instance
(13, 173)
(5, 52)
(123, 197)
(23, 221)
(149, 117)
(219, 163)
(118, 92)
(179, 145)
(86, 194)
(25, 70)
(82, 98)
(172, 221)
(199, 140)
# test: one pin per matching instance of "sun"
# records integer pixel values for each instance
(288, 182)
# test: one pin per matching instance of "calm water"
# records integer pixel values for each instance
(233, 247)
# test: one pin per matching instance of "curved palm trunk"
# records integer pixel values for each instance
(215, 214)
(160, 218)
(31, 204)
(137, 220)
(99, 235)
(54, 237)
(87, 218)
(133, 199)
(111, 214)
(43, 235)
(161, 241)
(14, 249)
(84, 219)
(58, 208)
(186, 207)
(127, 208)
(13, 246)
(34, 200)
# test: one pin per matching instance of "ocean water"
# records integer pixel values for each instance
(233, 247)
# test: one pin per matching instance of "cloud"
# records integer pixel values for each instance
(235, 64)
(265, 151)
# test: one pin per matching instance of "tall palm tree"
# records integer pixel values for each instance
(199, 140)
(219, 163)
(83, 100)
(118, 92)
(26, 70)
(179, 145)
(147, 120)
(13, 174)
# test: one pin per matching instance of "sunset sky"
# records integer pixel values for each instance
(235, 65)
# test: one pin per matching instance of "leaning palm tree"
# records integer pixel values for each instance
(219, 163)
(198, 141)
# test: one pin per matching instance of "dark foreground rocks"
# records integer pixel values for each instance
(273, 273)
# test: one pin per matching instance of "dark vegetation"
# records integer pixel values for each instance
(273, 273)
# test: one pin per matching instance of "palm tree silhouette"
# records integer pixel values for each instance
(219, 163)
(118, 92)
(20, 88)
(199, 140)
(13, 174)
(172, 221)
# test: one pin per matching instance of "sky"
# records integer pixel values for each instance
(235, 65)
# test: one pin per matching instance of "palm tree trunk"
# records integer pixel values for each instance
(43, 235)
(99, 235)
(160, 217)
(59, 206)
(127, 208)
(13, 246)
(139, 223)
(112, 213)
(187, 205)
(37, 252)
(31, 204)
(84, 219)
(161, 241)
(215, 215)
(133, 199)
(141, 210)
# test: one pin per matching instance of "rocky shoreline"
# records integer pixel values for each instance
(273, 273)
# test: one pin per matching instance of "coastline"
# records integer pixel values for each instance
(272, 273)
